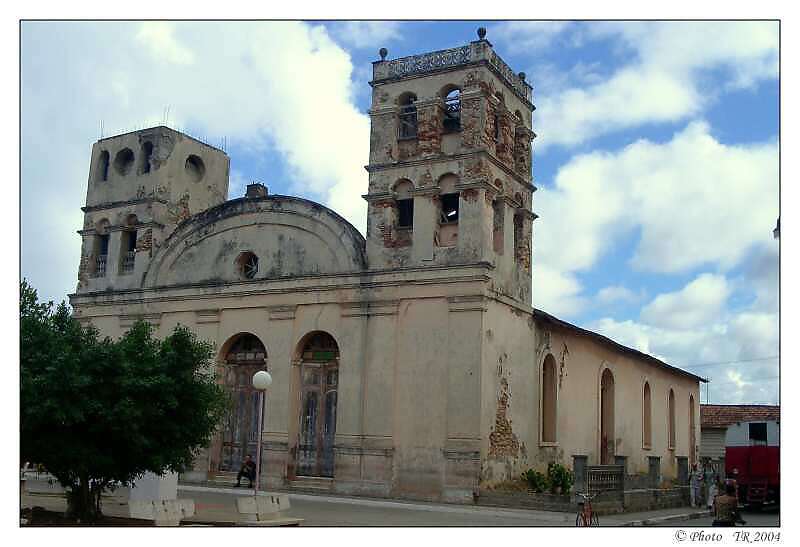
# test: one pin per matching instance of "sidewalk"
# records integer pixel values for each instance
(649, 518)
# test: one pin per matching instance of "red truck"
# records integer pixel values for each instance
(752, 458)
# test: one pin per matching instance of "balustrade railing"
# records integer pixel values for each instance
(128, 261)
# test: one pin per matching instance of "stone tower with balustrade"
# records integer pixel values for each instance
(450, 165)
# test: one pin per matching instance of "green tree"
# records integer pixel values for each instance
(99, 413)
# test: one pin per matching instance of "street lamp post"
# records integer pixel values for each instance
(261, 381)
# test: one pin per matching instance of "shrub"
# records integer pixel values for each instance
(537, 481)
(560, 477)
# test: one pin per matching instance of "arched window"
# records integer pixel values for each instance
(647, 414)
(145, 157)
(607, 429)
(692, 437)
(549, 400)
(452, 110)
(102, 166)
(671, 417)
(408, 116)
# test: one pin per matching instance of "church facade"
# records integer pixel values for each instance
(409, 363)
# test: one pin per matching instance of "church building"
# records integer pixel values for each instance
(406, 364)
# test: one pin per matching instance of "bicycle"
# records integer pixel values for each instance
(586, 516)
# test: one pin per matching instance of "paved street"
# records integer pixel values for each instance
(766, 517)
(341, 511)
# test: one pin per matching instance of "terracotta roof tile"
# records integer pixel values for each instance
(725, 415)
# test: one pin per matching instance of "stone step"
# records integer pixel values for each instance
(317, 484)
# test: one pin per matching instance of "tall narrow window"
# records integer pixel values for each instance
(671, 426)
(404, 202)
(498, 224)
(101, 255)
(517, 234)
(408, 116)
(452, 111)
(692, 437)
(405, 214)
(146, 157)
(549, 400)
(128, 251)
(102, 166)
(647, 414)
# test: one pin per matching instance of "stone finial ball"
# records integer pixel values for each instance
(481, 33)
(522, 76)
(383, 52)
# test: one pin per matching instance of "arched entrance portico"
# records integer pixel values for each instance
(318, 359)
(243, 355)
(607, 418)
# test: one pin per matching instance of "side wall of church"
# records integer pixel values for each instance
(509, 394)
(580, 362)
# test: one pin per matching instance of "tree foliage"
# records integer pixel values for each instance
(98, 413)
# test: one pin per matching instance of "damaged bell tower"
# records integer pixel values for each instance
(450, 165)
(141, 186)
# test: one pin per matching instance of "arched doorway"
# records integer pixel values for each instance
(239, 437)
(319, 384)
(607, 418)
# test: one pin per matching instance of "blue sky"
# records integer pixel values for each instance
(656, 160)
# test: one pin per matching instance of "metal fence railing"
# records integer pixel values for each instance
(605, 478)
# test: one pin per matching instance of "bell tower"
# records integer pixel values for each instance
(141, 186)
(450, 164)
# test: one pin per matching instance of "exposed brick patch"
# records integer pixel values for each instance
(145, 241)
(522, 151)
(502, 440)
(178, 212)
(429, 129)
(470, 195)
(470, 122)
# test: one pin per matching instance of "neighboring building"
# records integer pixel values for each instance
(745, 438)
(406, 364)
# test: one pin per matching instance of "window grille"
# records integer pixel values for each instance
(408, 122)
(100, 266)
(452, 112)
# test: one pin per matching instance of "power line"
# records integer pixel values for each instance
(733, 362)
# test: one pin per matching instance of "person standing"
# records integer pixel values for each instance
(713, 491)
(695, 485)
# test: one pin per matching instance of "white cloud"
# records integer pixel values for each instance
(664, 82)
(527, 36)
(159, 38)
(557, 292)
(258, 83)
(367, 34)
(616, 293)
(695, 201)
(698, 303)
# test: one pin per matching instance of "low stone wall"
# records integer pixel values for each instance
(608, 503)
(649, 499)
(527, 500)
